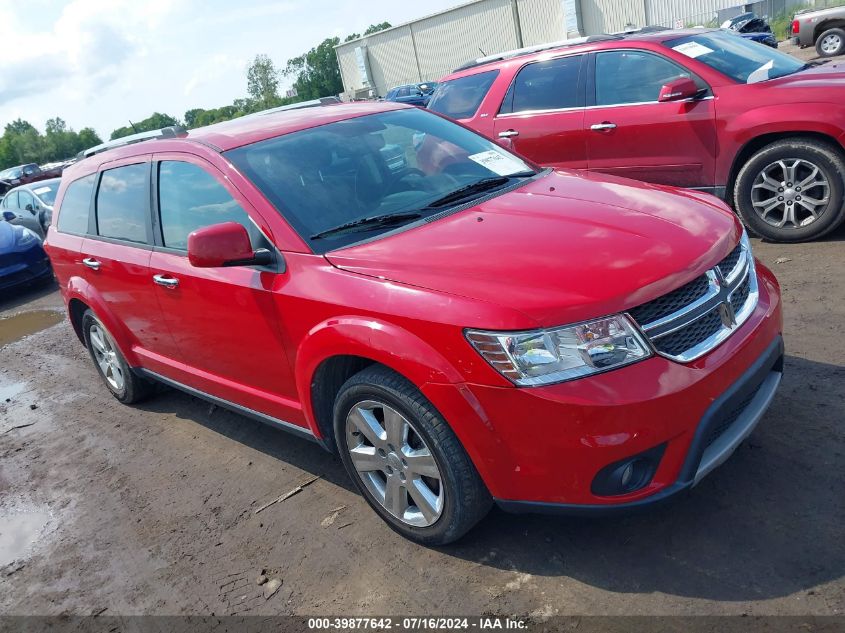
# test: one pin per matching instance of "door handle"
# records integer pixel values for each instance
(92, 263)
(508, 134)
(603, 127)
(166, 281)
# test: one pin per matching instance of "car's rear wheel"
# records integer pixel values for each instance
(123, 383)
(405, 460)
(831, 43)
(792, 190)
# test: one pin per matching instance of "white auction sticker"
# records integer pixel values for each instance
(497, 163)
(41, 190)
(692, 49)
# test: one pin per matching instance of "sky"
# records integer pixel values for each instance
(100, 63)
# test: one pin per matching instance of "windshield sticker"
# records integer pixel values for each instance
(762, 73)
(41, 190)
(692, 49)
(499, 164)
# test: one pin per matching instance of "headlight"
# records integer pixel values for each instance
(542, 357)
(25, 238)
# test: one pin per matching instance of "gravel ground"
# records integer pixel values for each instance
(150, 509)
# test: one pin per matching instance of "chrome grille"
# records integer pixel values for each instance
(692, 320)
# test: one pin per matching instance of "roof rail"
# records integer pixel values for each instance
(174, 131)
(313, 103)
(518, 52)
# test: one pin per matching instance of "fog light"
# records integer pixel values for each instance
(629, 474)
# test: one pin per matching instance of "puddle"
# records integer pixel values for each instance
(9, 391)
(20, 530)
(15, 327)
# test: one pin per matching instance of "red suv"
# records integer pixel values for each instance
(698, 108)
(461, 329)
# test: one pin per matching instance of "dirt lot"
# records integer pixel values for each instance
(150, 509)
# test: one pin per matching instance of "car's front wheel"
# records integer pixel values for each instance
(123, 383)
(792, 190)
(831, 43)
(406, 460)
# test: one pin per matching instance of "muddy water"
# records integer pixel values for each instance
(20, 531)
(15, 327)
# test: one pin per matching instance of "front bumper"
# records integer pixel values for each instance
(540, 449)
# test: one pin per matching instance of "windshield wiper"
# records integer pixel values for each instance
(368, 223)
(476, 187)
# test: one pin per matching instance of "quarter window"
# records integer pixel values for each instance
(460, 98)
(122, 203)
(190, 198)
(73, 214)
(632, 77)
(11, 200)
(548, 85)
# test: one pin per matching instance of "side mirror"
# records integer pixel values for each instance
(9, 216)
(678, 90)
(224, 244)
(29, 208)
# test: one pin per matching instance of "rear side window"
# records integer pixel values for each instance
(190, 198)
(460, 98)
(73, 214)
(123, 203)
(548, 85)
(11, 200)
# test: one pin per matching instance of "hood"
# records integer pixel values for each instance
(7, 236)
(563, 248)
(826, 78)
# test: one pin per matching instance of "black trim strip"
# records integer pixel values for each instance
(226, 404)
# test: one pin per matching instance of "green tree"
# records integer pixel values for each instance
(316, 72)
(375, 28)
(155, 121)
(262, 81)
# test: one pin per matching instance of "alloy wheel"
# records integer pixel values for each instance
(831, 43)
(394, 463)
(790, 193)
(106, 357)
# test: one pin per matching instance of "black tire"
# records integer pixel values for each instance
(133, 388)
(465, 497)
(827, 38)
(831, 167)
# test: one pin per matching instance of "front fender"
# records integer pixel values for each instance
(783, 118)
(418, 361)
(374, 339)
(78, 288)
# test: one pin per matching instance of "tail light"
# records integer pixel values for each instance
(796, 26)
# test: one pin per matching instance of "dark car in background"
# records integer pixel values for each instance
(34, 201)
(22, 257)
(20, 175)
(752, 27)
(412, 94)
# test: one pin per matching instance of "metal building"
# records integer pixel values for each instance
(433, 46)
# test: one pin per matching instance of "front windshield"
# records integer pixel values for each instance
(740, 59)
(401, 163)
(46, 192)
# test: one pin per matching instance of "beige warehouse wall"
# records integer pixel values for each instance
(447, 40)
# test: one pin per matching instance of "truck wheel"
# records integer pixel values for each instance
(405, 460)
(112, 367)
(792, 190)
(831, 43)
